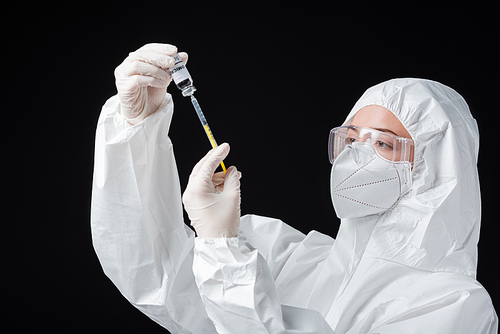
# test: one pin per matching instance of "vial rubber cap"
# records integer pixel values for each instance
(188, 91)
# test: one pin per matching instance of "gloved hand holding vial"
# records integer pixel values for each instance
(143, 77)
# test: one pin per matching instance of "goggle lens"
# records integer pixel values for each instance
(392, 148)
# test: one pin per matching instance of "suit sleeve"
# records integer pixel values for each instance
(239, 292)
(137, 223)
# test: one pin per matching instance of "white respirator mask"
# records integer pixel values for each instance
(371, 170)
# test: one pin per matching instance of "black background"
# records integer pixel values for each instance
(272, 80)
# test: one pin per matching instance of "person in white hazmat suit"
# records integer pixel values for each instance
(404, 182)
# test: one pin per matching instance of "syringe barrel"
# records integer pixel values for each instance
(198, 111)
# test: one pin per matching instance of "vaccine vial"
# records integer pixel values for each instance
(181, 77)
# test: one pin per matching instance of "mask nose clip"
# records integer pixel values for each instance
(361, 153)
(354, 153)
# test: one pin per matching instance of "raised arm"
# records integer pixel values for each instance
(137, 222)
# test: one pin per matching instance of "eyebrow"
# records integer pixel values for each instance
(380, 129)
(386, 130)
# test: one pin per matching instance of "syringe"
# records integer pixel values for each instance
(204, 122)
(183, 81)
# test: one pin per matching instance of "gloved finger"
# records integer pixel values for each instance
(219, 177)
(168, 49)
(145, 69)
(142, 81)
(209, 166)
(232, 180)
(155, 58)
(200, 163)
(184, 56)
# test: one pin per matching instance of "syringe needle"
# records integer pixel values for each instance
(205, 126)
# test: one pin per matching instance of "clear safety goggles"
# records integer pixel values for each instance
(391, 148)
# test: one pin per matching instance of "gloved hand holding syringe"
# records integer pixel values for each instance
(183, 81)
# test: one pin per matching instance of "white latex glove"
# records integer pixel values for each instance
(212, 201)
(142, 80)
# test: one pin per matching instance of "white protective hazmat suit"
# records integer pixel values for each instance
(409, 270)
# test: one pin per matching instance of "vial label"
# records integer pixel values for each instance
(179, 71)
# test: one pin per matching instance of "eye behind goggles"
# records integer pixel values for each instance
(392, 148)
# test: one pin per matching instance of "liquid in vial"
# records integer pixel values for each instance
(181, 76)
